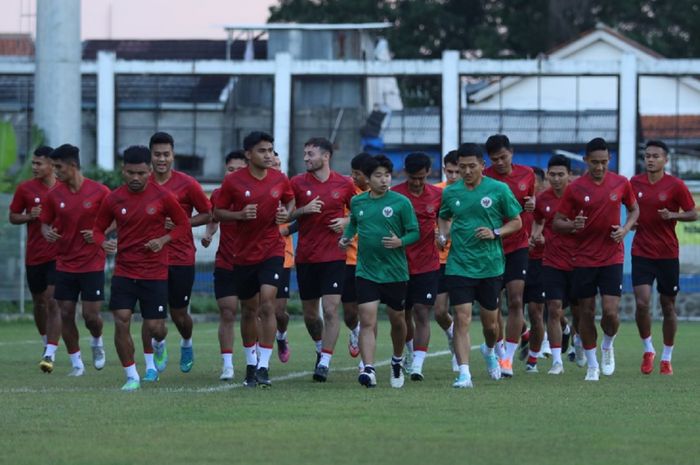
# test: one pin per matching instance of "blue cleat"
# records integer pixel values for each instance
(131, 385)
(186, 359)
(151, 376)
(160, 357)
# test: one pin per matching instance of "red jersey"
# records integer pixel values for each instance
(28, 195)
(656, 237)
(224, 254)
(521, 181)
(423, 255)
(190, 196)
(558, 248)
(72, 212)
(601, 204)
(259, 239)
(140, 217)
(317, 243)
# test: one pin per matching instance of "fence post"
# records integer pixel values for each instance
(282, 107)
(628, 115)
(450, 100)
(22, 269)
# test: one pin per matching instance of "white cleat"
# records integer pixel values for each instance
(396, 375)
(592, 374)
(98, 357)
(226, 374)
(463, 382)
(557, 369)
(77, 371)
(607, 367)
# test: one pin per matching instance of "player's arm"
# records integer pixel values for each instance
(19, 215)
(536, 236)
(210, 230)
(411, 228)
(103, 222)
(181, 225)
(682, 215)
(283, 216)
(47, 230)
(310, 208)
(201, 204)
(349, 232)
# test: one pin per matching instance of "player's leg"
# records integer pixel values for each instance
(585, 287)
(269, 274)
(668, 283)
(227, 301)
(122, 301)
(350, 311)
(393, 295)
(180, 282)
(282, 317)
(368, 297)
(153, 298)
(610, 285)
(441, 308)
(642, 280)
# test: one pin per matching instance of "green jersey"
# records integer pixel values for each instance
(484, 206)
(375, 218)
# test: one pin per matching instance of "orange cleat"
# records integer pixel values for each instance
(666, 368)
(648, 362)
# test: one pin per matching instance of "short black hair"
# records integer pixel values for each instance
(539, 173)
(359, 160)
(559, 160)
(254, 138)
(66, 152)
(137, 154)
(596, 144)
(451, 157)
(497, 142)
(378, 161)
(657, 143)
(161, 138)
(416, 161)
(43, 151)
(470, 150)
(322, 143)
(235, 155)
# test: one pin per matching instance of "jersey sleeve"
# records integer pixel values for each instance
(567, 205)
(225, 197)
(445, 210)
(538, 214)
(351, 228)
(178, 216)
(18, 204)
(510, 205)
(410, 224)
(199, 199)
(685, 198)
(104, 219)
(287, 193)
(628, 197)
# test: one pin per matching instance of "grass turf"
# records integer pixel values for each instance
(193, 418)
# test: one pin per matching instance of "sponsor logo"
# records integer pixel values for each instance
(37, 200)
(151, 210)
(586, 199)
(640, 195)
(308, 193)
(663, 196)
(428, 295)
(362, 212)
(87, 204)
(276, 276)
(388, 212)
(457, 203)
(123, 211)
(247, 193)
(62, 205)
(486, 202)
(547, 209)
(160, 308)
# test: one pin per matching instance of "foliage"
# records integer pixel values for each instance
(10, 174)
(111, 179)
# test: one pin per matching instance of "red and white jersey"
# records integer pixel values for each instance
(521, 181)
(30, 194)
(558, 248)
(224, 254)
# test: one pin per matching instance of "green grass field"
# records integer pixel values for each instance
(191, 419)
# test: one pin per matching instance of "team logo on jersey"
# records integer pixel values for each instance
(486, 202)
(613, 196)
(247, 193)
(123, 211)
(663, 196)
(87, 204)
(586, 199)
(37, 200)
(62, 205)
(522, 186)
(151, 210)
(388, 212)
(275, 193)
(308, 193)
(335, 194)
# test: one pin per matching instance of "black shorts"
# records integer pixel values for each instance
(180, 282)
(223, 283)
(465, 290)
(666, 272)
(41, 276)
(516, 266)
(249, 278)
(558, 285)
(151, 294)
(442, 281)
(534, 284)
(422, 288)
(349, 289)
(89, 286)
(606, 279)
(319, 279)
(283, 288)
(391, 294)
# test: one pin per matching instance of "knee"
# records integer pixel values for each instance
(228, 315)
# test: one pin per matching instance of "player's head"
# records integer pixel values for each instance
(137, 167)
(655, 156)
(41, 163)
(162, 148)
(558, 172)
(417, 165)
(235, 160)
(358, 177)
(471, 163)
(450, 166)
(597, 158)
(66, 161)
(540, 179)
(378, 171)
(277, 163)
(259, 149)
(500, 153)
(317, 153)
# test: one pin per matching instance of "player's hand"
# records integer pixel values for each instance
(156, 245)
(529, 204)
(440, 240)
(87, 236)
(484, 233)
(110, 246)
(51, 235)
(665, 214)
(206, 240)
(580, 221)
(282, 215)
(618, 233)
(338, 224)
(250, 211)
(391, 242)
(169, 225)
(314, 206)
(35, 212)
(343, 242)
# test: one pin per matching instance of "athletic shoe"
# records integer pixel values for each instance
(592, 374)
(46, 364)
(407, 360)
(321, 373)
(160, 357)
(263, 377)
(131, 385)
(77, 371)
(492, 366)
(531, 368)
(607, 367)
(151, 376)
(368, 378)
(665, 368)
(463, 381)
(571, 354)
(396, 375)
(226, 374)
(506, 368)
(98, 357)
(565, 338)
(353, 345)
(250, 379)
(416, 375)
(648, 362)
(557, 369)
(283, 351)
(186, 359)
(580, 356)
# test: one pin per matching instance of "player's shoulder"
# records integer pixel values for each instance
(522, 170)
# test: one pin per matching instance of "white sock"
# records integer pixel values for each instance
(265, 353)
(533, 354)
(50, 351)
(325, 359)
(227, 359)
(489, 350)
(667, 353)
(567, 330)
(96, 342)
(409, 346)
(44, 339)
(607, 342)
(591, 358)
(251, 355)
(131, 372)
(464, 370)
(148, 358)
(418, 359)
(319, 345)
(648, 346)
(281, 336)
(76, 360)
(511, 347)
(556, 355)
(500, 349)
(449, 332)
(361, 365)
(185, 343)
(356, 331)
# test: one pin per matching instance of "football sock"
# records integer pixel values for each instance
(648, 346)
(667, 353)
(265, 353)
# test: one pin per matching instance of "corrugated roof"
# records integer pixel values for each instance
(16, 45)
(172, 49)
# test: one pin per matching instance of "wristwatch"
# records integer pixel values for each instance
(496, 233)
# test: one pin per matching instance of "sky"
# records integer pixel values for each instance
(146, 19)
